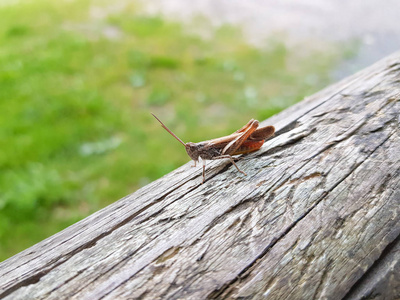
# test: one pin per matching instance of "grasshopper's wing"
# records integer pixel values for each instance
(245, 133)
(223, 141)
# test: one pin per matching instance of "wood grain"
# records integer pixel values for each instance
(317, 217)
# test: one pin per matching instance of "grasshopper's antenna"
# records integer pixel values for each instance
(170, 132)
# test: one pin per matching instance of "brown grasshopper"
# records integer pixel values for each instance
(247, 139)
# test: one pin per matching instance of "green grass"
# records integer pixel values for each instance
(78, 81)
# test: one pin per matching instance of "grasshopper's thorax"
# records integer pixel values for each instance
(193, 150)
(202, 149)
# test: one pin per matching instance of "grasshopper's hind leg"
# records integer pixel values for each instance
(232, 160)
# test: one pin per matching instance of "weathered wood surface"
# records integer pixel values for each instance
(317, 217)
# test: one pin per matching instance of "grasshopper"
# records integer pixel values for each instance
(247, 139)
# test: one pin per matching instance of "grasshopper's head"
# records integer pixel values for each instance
(192, 150)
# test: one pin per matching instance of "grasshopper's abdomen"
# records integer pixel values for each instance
(248, 146)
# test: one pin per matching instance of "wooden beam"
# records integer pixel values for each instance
(317, 217)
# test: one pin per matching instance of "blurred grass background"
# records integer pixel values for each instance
(78, 80)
